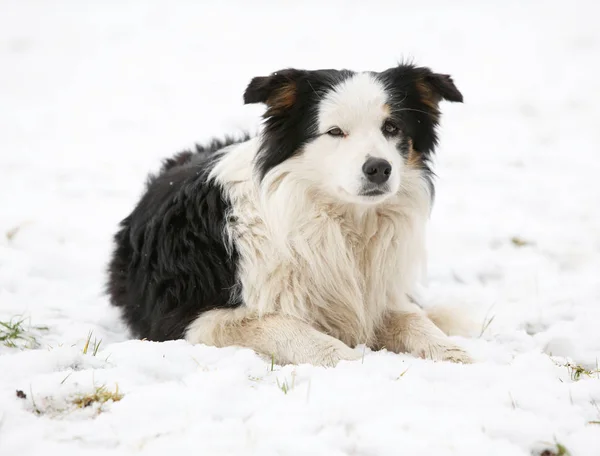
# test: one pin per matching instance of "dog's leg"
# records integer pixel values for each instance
(413, 332)
(287, 340)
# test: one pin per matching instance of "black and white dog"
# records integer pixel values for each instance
(304, 241)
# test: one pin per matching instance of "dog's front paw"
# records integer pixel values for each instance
(331, 354)
(442, 351)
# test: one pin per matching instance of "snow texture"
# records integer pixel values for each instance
(94, 94)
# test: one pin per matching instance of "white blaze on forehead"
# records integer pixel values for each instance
(359, 101)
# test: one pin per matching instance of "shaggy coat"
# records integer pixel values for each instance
(304, 241)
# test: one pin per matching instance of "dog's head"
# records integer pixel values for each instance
(351, 135)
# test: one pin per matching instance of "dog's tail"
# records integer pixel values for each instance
(452, 320)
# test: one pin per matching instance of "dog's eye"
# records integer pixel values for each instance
(389, 129)
(336, 131)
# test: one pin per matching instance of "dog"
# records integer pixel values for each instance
(303, 241)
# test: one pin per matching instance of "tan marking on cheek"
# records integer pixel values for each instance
(414, 159)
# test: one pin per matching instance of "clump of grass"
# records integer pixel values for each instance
(11, 331)
(595, 404)
(11, 233)
(273, 365)
(520, 242)
(36, 410)
(53, 406)
(558, 449)
(94, 345)
(15, 334)
(487, 321)
(101, 395)
(403, 373)
(285, 386)
(576, 371)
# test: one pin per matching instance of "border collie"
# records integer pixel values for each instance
(304, 241)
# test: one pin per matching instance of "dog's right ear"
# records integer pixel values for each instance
(278, 91)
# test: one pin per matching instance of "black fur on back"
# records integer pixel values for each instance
(170, 261)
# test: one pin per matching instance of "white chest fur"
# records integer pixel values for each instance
(336, 267)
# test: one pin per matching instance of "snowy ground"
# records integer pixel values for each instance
(94, 94)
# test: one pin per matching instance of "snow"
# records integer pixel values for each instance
(94, 94)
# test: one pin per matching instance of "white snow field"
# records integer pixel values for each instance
(94, 94)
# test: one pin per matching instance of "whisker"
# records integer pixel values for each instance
(313, 89)
(412, 109)
(405, 95)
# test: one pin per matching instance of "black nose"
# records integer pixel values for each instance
(377, 170)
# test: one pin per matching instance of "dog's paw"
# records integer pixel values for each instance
(332, 353)
(325, 352)
(442, 351)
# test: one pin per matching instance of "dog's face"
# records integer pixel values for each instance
(351, 135)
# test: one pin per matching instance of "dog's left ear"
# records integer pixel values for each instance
(435, 87)
(443, 86)
(278, 91)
